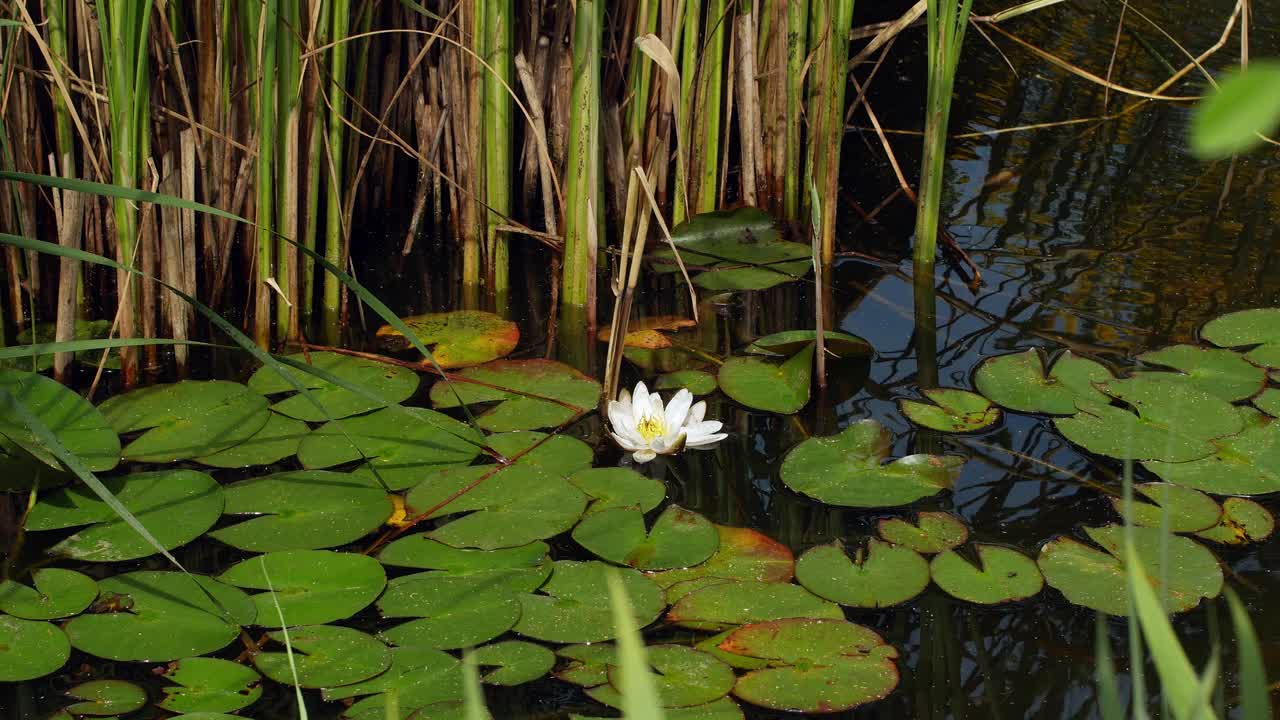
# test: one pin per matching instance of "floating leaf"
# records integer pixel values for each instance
(1221, 373)
(742, 554)
(531, 394)
(57, 594)
(1268, 401)
(683, 677)
(517, 662)
(48, 333)
(1175, 422)
(711, 646)
(573, 606)
(1001, 575)
(1019, 382)
(388, 383)
(932, 533)
(402, 444)
(325, 656)
(167, 617)
(589, 663)
(420, 551)
(514, 505)
(951, 410)
(789, 342)
(558, 455)
(696, 382)
(30, 649)
(457, 339)
(721, 605)
(277, 440)
(880, 575)
(1243, 521)
(308, 587)
(1244, 464)
(210, 685)
(646, 333)
(740, 250)
(679, 538)
(781, 388)
(457, 610)
(846, 469)
(1180, 570)
(78, 425)
(722, 709)
(1185, 510)
(618, 487)
(420, 676)
(186, 419)
(302, 510)
(175, 506)
(102, 698)
(1260, 327)
(816, 665)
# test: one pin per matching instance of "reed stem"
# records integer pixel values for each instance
(499, 24)
(583, 176)
(797, 34)
(335, 230)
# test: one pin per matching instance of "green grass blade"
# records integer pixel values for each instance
(1255, 699)
(472, 695)
(1108, 693)
(640, 699)
(288, 646)
(51, 348)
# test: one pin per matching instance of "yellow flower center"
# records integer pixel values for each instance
(651, 427)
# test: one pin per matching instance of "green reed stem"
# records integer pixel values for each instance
(263, 19)
(688, 35)
(315, 169)
(500, 32)
(288, 60)
(334, 230)
(797, 33)
(710, 94)
(583, 176)
(827, 112)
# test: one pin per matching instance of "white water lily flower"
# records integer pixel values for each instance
(645, 429)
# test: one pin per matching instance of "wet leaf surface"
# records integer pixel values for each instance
(30, 649)
(573, 606)
(57, 593)
(720, 605)
(1244, 464)
(308, 587)
(950, 410)
(1000, 575)
(1220, 373)
(302, 510)
(210, 685)
(879, 575)
(697, 382)
(932, 533)
(102, 698)
(1020, 382)
(1176, 508)
(457, 339)
(529, 394)
(186, 419)
(683, 677)
(79, 426)
(618, 487)
(1258, 328)
(1243, 521)
(767, 385)
(325, 656)
(679, 538)
(277, 440)
(514, 662)
(388, 383)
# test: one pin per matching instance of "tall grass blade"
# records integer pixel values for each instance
(1255, 696)
(1109, 704)
(288, 645)
(73, 346)
(472, 695)
(640, 699)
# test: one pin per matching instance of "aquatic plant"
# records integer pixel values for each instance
(643, 427)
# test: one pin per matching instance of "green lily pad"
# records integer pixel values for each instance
(57, 594)
(711, 646)
(719, 606)
(302, 510)
(78, 425)
(837, 344)
(722, 709)
(310, 587)
(1001, 575)
(325, 656)
(682, 677)
(102, 698)
(1244, 464)
(48, 332)
(457, 339)
(781, 388)
(419, 676)
(30, 649)
(186, 419)
(1019, 381)
(1186, 510)
(277, 440)
(588, 664)
(1243, 521)
(420, 551)
(514, 505)
(1268, 401)
(516, 662)
(402, 444)
(679, 538)
(951, 411)
(879, 575)
(846, 469)
(696, 382)
(618, 487)
(175, 506)
(573, 606)
(742, 554)
(558, 455)
(530, 394)
(1098, 578)
(1221, 373)
(167, 617)
(739, 249)
(456, 610)
(210, 685)
(388, 383)
(815, 665)
(932, 532)
(1260, 327)
(1175, 422)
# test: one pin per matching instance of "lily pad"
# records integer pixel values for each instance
(739, 249)
(1098, 578)
(57, 594)
(325, 656)
(167, 617)
(388, 383)
(175, 506)
(1243, 521)
(310, 587)
(302, 510)
(1001, 575)
(1186, 510)
(1019, 381)
(573, 606)
(932, 533)
(588, 663)
(711, 646)
(516, 662)
(277, 440)
(210, 685)
(815, 665)
(1175, 422)
(512, 506)
(401, 444)
(186, 419)
(646, 333)
(742, 554)
(679, 538)
(879, 575)
(420, 551)
(457, 339)
(48, 332)
(1268, 401)
(558, 455)
(30, 649)
(789, 342)
(781, 388)
(722, 709)
(456, 610)
(102, 698)
(846, 469)
(951, 410)
(696, 382)
(722, 605)
(530, 394)
(77, 425)
(682, 677)
(1221, 373)
(618, 487)
(1260, 327)
(1244, 464)
(420, 676)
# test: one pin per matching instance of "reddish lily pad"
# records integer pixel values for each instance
(932, 533)
(1243, 521)
(530, 394)
(457, 339)
(647, 333)
(742, 554)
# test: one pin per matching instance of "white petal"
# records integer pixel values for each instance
(643, 456)
(616, 413)
(624, 399)
(678, 409)
(705, 442)
(626, 443)
(696, 413)
(703, 433)
(640, 406)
